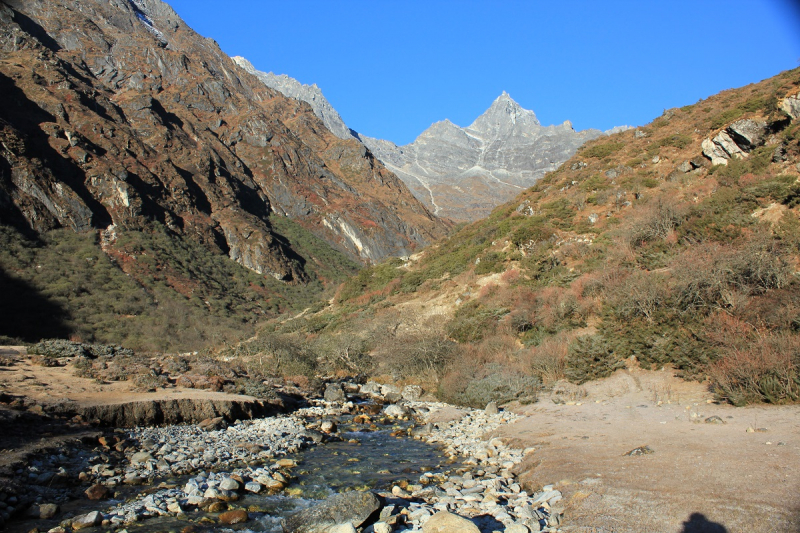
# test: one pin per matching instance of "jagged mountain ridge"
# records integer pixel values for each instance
(122, 115)
(458, 173)
(310, 94)
(466, 172)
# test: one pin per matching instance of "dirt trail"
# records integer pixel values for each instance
(59, 384)
(737, 480)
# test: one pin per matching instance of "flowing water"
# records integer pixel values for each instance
(368, 457)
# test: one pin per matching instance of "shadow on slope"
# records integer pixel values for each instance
(28, 315)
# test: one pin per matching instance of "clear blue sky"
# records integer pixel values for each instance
(391, 68)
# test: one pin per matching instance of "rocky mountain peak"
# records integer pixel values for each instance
(458, 173)
(504, 116)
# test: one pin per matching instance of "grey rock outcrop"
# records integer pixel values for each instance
(791, 106)
(735, 141)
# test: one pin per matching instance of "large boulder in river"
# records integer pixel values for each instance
(334, 393)
(353, 507)
(444, 522)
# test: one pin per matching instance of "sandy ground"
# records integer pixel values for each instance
(701, 477)
(60, 384)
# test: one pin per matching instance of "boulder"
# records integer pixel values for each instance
(491, 408)
(352, 507)
(748, 133)
(395, 410)
(234, 517)
(389, 389)
(98, 492)
(341, 528)
(371, 388)
(87, 520)
(253, 487)
(228, 484)
(212, 424)
(791, 106)
(412, 393)
(445, 522)
(45, 511)
(141, 457)
(334, 393)
(381, 527)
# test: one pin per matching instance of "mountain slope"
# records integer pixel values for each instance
(311, 94)
(118, 117)
(458, 173)
(637, 249)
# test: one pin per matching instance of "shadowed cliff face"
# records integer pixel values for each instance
(115, 112)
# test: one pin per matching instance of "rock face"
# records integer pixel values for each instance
(735, 141)
(117, 113)
(311, 94)
(352, 507)
(463, 173)
(791, 106)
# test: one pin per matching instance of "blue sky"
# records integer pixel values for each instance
(391, 68)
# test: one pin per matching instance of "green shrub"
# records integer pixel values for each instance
(678, 140)
(602, 150)
(724, 118)
(489, 263)
(532, 230)
(494, 382)
(590, 357)
(595, 183)
(472, 321)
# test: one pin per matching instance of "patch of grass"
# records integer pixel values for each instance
(603, 150)
(677, 140)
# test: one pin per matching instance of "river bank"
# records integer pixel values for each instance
(225, 467)
(711, 466)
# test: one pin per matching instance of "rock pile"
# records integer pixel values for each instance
(488, 491)
(186, 449)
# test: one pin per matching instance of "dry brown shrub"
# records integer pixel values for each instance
(755, 365)
(639, 295)
(589, 285)
(511, 276)
(489, 290)
(766, 370)
(655, 221)
(548, 360)
(495, 349)
(411, 345)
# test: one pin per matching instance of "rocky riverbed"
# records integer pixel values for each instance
(212, 476)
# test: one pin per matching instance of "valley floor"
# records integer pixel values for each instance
(739, 472)
(713, 468)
